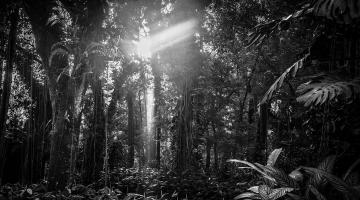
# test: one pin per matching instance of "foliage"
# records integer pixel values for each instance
(326, 90)
(135, 184)
(294, 185)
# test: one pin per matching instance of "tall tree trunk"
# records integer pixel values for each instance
(157, 114)
(94, 158)
(40, 116)
(64, 91)
(251, 111)
(216, 153)
(141, 145)
(261, 139)
(7, 87)
(131, 131)
(208, 151)
(184, 130)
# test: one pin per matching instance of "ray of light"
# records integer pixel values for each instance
(147, 46)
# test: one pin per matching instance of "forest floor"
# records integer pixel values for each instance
(147, 184)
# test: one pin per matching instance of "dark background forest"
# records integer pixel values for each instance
(180, 99)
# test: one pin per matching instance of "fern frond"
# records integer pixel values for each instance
(291, 71)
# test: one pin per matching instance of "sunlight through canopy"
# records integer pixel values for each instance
(149, 45)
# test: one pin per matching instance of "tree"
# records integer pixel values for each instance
(64, 90)
(131, 130)
(6, 87)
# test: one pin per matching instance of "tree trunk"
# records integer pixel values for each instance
(251, 112)
(141, 142)
(40, 117)
(208, 149)
(131, 131)
(7, 87)
(261, 139)
(94, 158)
(157, 114)
(64, 91)
(184, 131)
(216, 154)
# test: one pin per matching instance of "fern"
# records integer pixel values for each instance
(291, 71)
(317, 93)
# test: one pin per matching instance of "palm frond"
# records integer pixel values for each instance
(336, 182)
(316, 192)
(317, 93)
(326, 165)
(351, 168)
(291, 71)
(338, 10)
(263, 31)
(61, 48)
(94, 48)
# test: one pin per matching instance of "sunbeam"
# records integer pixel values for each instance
(173, 35)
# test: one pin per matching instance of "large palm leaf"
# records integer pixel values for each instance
(317, 93)
(289, 72)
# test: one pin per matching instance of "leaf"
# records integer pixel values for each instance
(317, 194)
(339, 11)
(351, 168)
(336, 182)
(264, 191)
(273, 157)
(317, 93)
(294, 196)
(248, 195)
(281, 177)
(253, 167)
(279, 192)
(254, 189)
(293, 69)
(326, 165)
(56, 52)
